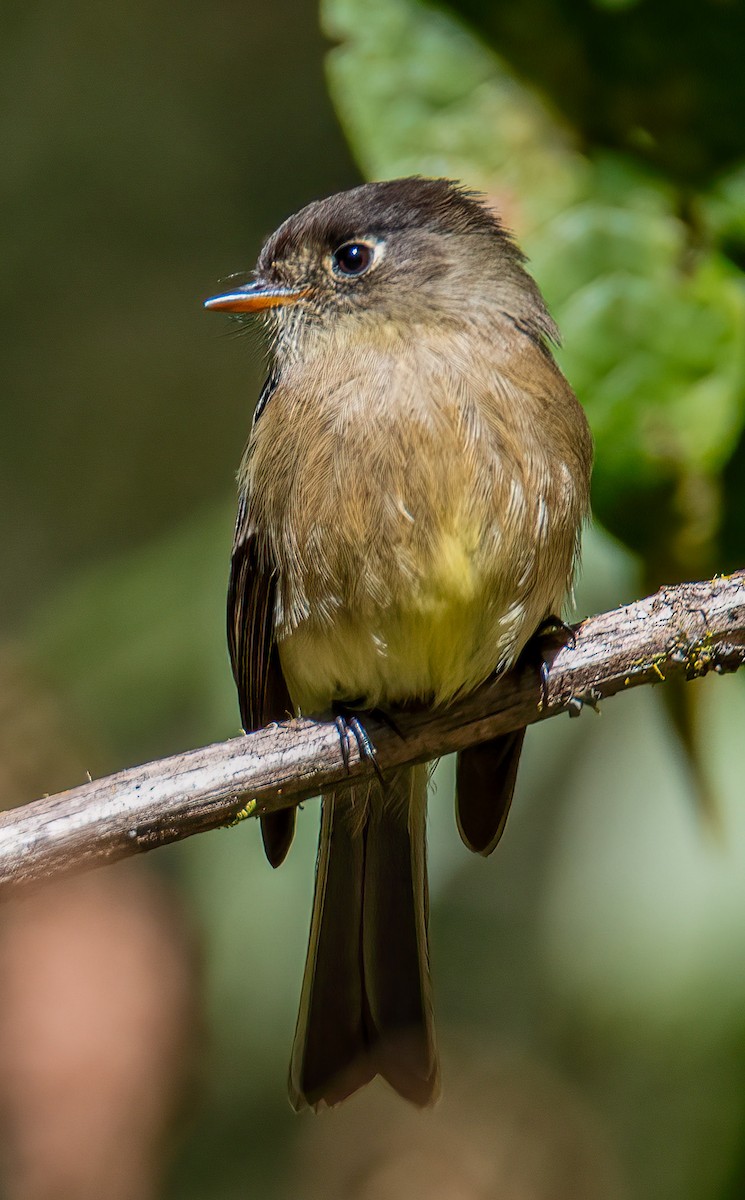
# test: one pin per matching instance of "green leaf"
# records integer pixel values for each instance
(653, 319)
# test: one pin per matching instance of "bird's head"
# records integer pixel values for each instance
(403, 253)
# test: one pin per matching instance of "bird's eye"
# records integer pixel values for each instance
(353, 258)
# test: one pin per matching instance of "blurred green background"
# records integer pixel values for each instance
(590, 977)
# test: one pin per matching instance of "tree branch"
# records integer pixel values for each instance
(685, 631)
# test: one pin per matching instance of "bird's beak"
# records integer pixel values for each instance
(253, 298)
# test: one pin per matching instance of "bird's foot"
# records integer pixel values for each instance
(348, 723)
(552, 632)
(556, 630)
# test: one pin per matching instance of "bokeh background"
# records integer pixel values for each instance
(590, 977)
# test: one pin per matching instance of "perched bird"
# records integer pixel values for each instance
(411, 500)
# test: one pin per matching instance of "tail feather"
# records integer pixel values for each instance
(330, 1027)
(366, 1004)
(395, 947)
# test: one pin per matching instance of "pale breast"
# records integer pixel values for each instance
(420, 520)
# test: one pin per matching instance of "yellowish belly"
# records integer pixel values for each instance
(444, 636)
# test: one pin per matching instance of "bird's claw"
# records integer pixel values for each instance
(347, 724)
(552, 628)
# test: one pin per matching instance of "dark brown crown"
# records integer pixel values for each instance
(378, 209)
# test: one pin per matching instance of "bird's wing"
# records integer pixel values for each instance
(485, 783)
(262, 691)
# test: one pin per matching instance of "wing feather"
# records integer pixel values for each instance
(262, 691)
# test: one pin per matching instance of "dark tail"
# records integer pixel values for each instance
(366, 1003)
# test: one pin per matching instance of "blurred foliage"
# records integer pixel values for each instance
(589, 980)
(651, 308)
(661, 79)
(146, 153)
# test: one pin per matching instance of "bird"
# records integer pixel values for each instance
(411, 501)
